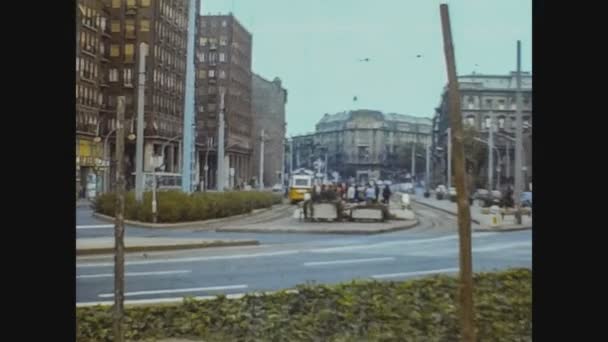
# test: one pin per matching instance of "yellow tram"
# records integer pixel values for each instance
(299, 184)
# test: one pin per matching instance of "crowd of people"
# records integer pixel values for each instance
(351, 193)
(345, 192)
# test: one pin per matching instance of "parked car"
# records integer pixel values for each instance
(277, 188)
(526, 199)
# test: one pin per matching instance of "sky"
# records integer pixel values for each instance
(315, 48)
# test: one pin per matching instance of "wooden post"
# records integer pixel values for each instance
(119, 225)
(464, 213)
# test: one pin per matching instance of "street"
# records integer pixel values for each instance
(282, 261)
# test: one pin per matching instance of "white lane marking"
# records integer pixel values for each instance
(191, 259)
(415, 273)
(394, 243)
(499, 246)
(344, 262)
(95, 226)
(158, 300)
(181, 299)
(194, 289)
(132, 274)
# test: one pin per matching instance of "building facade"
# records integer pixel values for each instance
(224, 64)
(364, 144)
(110, 33)
(269, 99)
(92, 36)
(488, 100)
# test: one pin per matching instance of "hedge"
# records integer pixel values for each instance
(416, 310)
(176, 206)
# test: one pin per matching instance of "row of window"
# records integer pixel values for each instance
(471, 121)
(92, 17)
(500, 104)
(90, 42)
(86, 119)
(166, 33)
(169, 81)
(211, 57)
(203, 41)
(88, 96)
(127, 76)
(211, 73)
(165, 56)
(174, 15)
(129, 50)
(86, 68)
(212, 22)
(130, 3)
(166, 104)
(144, 26)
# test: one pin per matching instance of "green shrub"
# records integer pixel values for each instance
(416, 310)
(176, 206)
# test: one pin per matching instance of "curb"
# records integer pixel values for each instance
(159, 248)
(444, 210)
(344, 232)
(183, 224)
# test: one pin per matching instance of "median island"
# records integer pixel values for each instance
(177, 206)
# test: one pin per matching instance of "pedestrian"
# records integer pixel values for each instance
(386, 194)
(377, 191)
(370, 194)
(351, 193)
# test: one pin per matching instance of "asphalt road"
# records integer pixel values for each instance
(285, 260)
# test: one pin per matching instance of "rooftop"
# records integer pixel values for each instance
(346, 115)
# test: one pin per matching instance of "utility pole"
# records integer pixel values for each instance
(464, 213)
(262, 137)
(220, 146)
(139, 143)
(189, 128)
(518, 139)
(206, 168)
(508, 171)
(428, 167)
(413, 166)
(491, 154)
(119, 226)
(449, 161)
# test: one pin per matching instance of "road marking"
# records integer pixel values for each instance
(131, 274)
(344, 262)
(394, 243)
(191, 259)
(415, 273)
(95, 226)
(194, 289)
(499, 246)
(181, 299)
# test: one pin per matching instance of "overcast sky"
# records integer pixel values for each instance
(314, 47)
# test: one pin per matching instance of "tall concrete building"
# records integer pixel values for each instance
(486, 100)
(92, 60)
(109, 33)
(365, 144)
(269, 99)
(224, 63)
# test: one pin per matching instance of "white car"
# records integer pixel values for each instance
(277, 188)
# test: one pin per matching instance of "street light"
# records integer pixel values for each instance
(106, 151)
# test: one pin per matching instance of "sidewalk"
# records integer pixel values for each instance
(83, 202)
(483, 220)
(93, 246)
